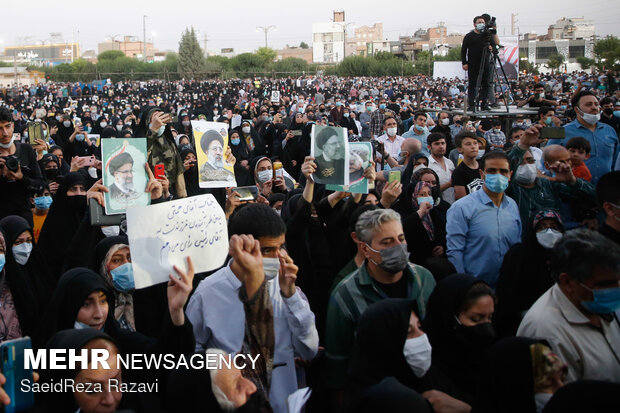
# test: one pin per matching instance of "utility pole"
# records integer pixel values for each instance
(513, 21)
(144, 37)
(266, 30)
(205, 41)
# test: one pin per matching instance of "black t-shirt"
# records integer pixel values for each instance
(465, 176)
(471, 50)
(535, 104)
(395, 290)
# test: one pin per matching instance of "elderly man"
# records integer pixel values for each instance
(330, 164)
(214, 169)
(121, 168)
(576, 315)
(386, 273)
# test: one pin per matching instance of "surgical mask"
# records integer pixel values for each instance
(346, 114)
(419, 128)
(548, 121)
(66, 123)
(401, 158)
(245, 129)
(45, 133)
(185, 123)
(264, 176)
(382, 106)
(590, 118)
(160, 131)
(391, 131)
(422, 199)
(119, 127)
(43, 202)
(92, 172)
(25, 135)
(215, 112)
(111, 231)
(418, 352)
(22, 252)
(480, 27)
(541, 400)
(79, 137)
(526, 174)
(393, 259)
(548, 237)
(368, 108)
(496, 183)
(103, 124)
(271, 266)
(445, 122)
(235, 141)
(122, 278)
(480, 154)
(606, 300)
(78, 325)
(2, 261)
(617, 113)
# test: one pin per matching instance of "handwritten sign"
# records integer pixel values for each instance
(162, 235)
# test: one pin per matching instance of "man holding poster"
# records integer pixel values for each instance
(331, 152)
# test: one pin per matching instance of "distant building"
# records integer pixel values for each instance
(130, 45)
(50, 54)
(434, 39)
(572, 28)
(363, 41)
(328, 40)
(20, 75)
(298, 52)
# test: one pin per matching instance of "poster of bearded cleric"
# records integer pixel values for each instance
(124, 174)
(330, 149)
(211, 143)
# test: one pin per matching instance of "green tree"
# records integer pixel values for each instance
(267, 55)
(246, 64)
(290, 65)
(585, 62)
(303, 45)
(191, 59)
(110, 55)
(555, 61)
(607, 51)
(423, 62)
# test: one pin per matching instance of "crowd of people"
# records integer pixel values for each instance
(484, 277)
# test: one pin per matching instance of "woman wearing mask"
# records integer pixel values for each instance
(266, 181)
(50, 168)
(42, 200)
(62, 222)
(348, 123)
(184, 127)
(458, 324)
(26, 286)
(243, 155)
(250, 136)
(525, 275)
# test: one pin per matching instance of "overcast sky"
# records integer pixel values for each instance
(233, 23)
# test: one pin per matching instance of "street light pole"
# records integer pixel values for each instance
(266, 30)
(144, 37)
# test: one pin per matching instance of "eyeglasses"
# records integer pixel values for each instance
(131, 171)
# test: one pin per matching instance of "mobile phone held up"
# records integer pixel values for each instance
(159, 171)
(393, 176)
(551, 132)
(12, 353)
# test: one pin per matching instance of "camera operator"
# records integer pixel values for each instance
(483, 35)
(18, 171)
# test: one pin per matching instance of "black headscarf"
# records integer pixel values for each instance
(191, 175)
(62, 222)
(454, 355)
(379, 342)
(585, 396)
(102, 249)
(30, 284)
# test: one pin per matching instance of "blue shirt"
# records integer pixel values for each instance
(603, 142)
(479, 234)
(421, 138)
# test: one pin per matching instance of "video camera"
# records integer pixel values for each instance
(490, 26)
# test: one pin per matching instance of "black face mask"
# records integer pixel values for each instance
(51, 174)
(479, 335)
(76, 202)
(608, 111)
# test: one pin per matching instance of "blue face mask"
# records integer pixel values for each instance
(88, 129)
(419, 128)
(496, 183)
(548, 121)
(617, 113)
(422, 199)
(2, 261)
(382, 106)
(43, 202)
(338, 104)
(606, 301)
(122, 278)
(79, 137)
(480, 27)
(235, 141)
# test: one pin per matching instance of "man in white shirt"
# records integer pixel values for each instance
(441, 165)
(576, 315)
(217, 313)
(391, 141)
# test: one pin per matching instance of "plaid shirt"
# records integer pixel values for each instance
(376, 121)
(495, 138)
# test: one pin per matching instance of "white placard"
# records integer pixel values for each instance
(162, 235)
(275, 96)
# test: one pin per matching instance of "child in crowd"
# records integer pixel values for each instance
(579, 149)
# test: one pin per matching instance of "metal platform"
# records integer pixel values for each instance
(513, 112)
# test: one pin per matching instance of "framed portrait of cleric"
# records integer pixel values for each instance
(330, 149)
(124, 174)
(211, 143)
(360, 157)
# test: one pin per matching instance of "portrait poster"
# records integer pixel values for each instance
(211, 143)
(360, 157)
(330, 149)
(124, 174)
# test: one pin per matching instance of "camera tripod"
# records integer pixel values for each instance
(487, 58)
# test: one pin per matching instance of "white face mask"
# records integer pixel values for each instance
(104, 124)
(264, 176)
(391, 131)
(66, 123)
(590, 118)
(271, 267)
(92, 171)
(418, 352)
(548, 237)
(480, 153)
(445, 122)
(119, 127)
(78, 325)
(111, 231)
(541, 400)
(22, 252)
(245, 129)
(526, 174)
